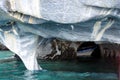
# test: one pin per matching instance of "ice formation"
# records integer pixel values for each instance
(26, 24)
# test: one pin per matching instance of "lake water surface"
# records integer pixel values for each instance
(58, 70)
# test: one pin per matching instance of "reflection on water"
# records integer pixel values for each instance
(59, 75)
(59, 71)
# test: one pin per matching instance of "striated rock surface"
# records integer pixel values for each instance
(27, 24)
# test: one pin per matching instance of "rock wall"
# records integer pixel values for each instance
(66, 50)
(109, 50)
(62, 50)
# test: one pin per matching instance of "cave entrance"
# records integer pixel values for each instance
(89, 49)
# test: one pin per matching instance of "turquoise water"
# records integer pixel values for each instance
(57, 70)
(5, 54)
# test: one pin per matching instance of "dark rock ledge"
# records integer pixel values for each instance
(3, 48)
(82, 50)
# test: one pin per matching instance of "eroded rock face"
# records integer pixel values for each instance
(61, 50)
(110, 50)
(26, 24)
(66, 50)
